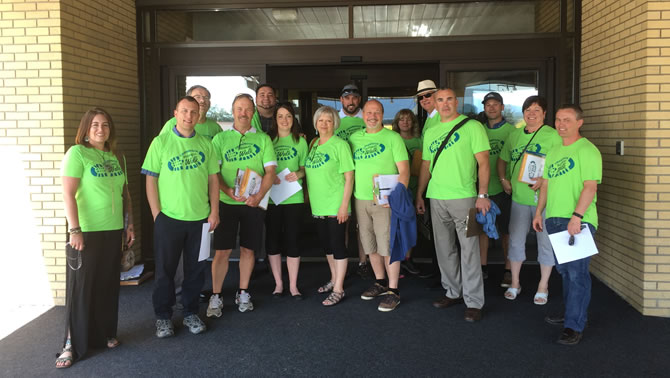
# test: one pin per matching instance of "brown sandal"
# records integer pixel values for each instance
(65, 361)
(333, 299)
(328, 286)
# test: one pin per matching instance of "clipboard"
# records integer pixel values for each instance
(382, 186)
(532, 167)
(472, 227)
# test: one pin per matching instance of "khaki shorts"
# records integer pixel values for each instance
(374, 227)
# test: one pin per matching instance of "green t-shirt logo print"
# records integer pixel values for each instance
(190, 159)
(244, 152)
(369, 151)
(109, 169)
(438, 142)
(316, 160)
(285, 153)
(561, 167)
(533, 148)
(496, 146)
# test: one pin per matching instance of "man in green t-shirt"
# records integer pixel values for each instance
(497, 129)
(240, 148)
(450, 179)
(572, 173)
(424, 96)
(378, 150)
(205, 126)
(266, 102)
(351, 121)
(182, 191)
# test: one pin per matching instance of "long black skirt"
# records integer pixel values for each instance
(92, 292)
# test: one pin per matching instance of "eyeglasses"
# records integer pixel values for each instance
(199, 97)
(427, 95)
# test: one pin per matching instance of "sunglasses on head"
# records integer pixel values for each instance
(421, 97)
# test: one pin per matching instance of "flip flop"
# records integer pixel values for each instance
(512, 292)
(541, 299)
(64, 362)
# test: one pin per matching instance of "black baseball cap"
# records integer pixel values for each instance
(350, 89)
(493, 95)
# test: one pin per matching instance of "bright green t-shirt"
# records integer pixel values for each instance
(512, 152)
(348, 126)
(412, 145)
(497, 138)
(566, 168)
(183, 166)
(207, 129)
(325, 167)
(430, 122)
(99, 195)
(455, 172)
(291, 154)
(253, 150)
(375, 153)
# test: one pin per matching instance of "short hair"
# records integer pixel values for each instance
(241, 96)
(412, 118)
(576, 108)
(295, 127)
(268, 85)
(373, 100)
(188, 99)
(539, 100)
(190, 90)
(327, 110)
(85, 127)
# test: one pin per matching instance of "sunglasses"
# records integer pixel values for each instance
(421, 97)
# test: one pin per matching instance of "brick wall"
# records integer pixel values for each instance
(58, 58)
(625, 93)
(547, 16)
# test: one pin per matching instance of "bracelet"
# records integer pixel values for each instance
(503, 179)
(76, 230)
(578, 215)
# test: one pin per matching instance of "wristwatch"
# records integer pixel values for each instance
(485, 195)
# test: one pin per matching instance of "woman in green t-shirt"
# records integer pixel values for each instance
(282, 221)
(95, 194)
(330, 181)
(406, 124)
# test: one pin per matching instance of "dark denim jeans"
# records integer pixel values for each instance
(576, 281)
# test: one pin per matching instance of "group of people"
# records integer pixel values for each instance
(452, 165)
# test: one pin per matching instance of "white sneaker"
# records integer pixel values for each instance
(243, 302)
(215, 306)
(194, 324)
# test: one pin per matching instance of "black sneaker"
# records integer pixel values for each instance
(485, 272)
(507, 279)
(555, 319)
(569, 337)
(364, 270)
(374, 291)
(409, 267)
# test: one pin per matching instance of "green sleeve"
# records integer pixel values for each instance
(213, 163)
(345, 157)
(216, 146)
(152, 161)
(506, 152)
(593, 170)
(256, 122)
(302, 152)
(169, 125)
(73, 164)
(425, 150)
(268, 150)
(480, 141)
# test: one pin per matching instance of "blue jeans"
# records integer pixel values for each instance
(576, 280)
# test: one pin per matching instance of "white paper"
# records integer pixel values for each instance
(132, 273)
(533, 168)
(264, 202)
(285, 189)
(205, 243)
(383, 186)
(584, 246)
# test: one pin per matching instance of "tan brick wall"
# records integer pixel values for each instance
(625, 94)
(57, 58)
(174, 26)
